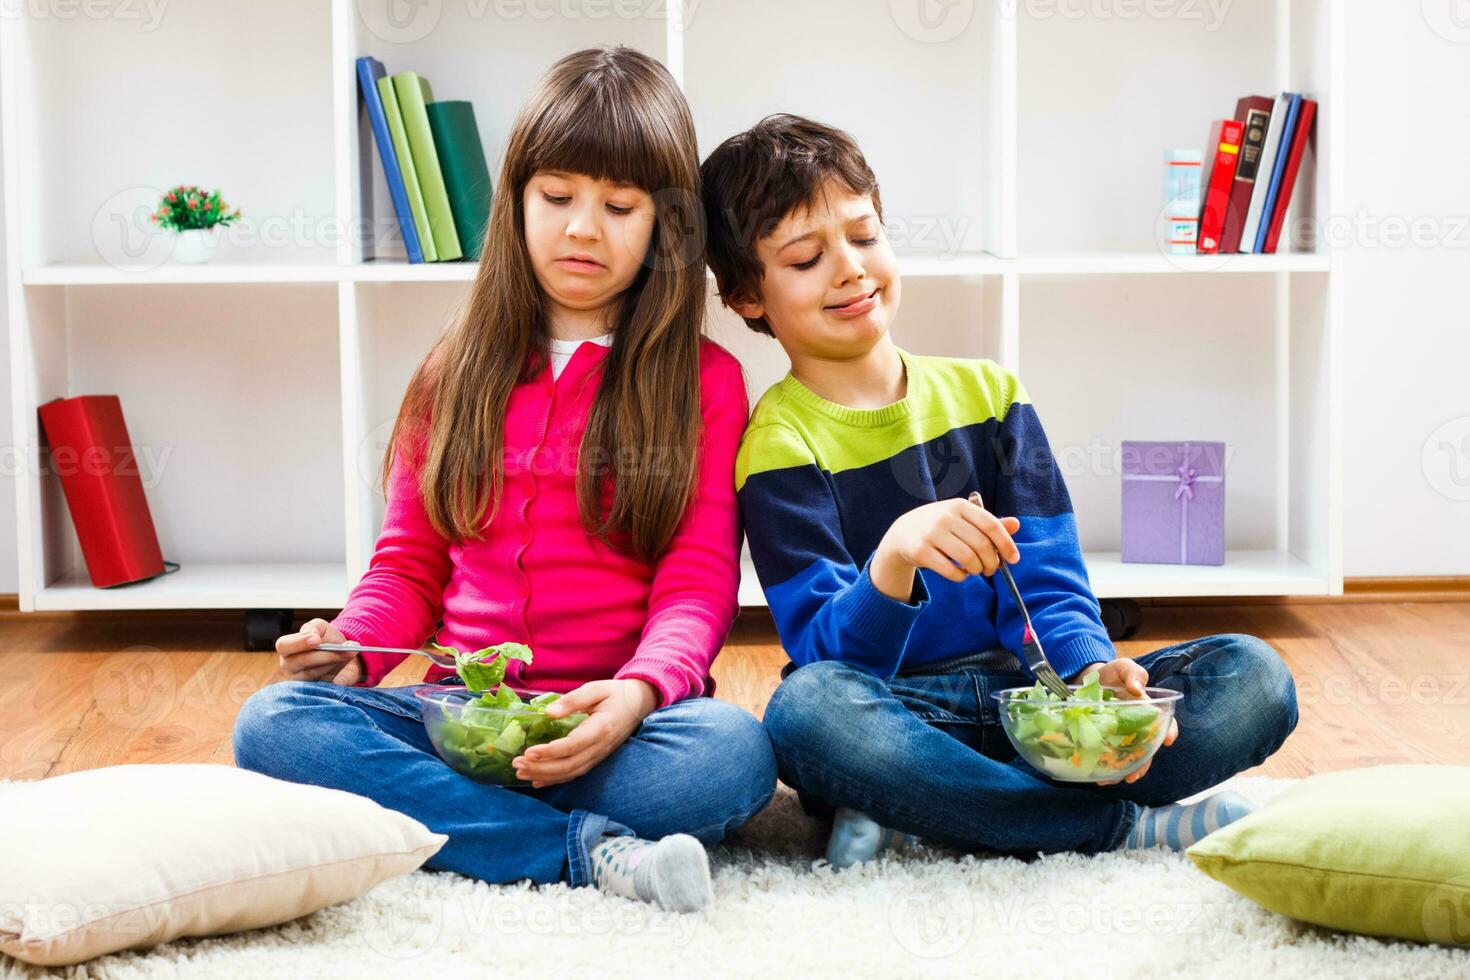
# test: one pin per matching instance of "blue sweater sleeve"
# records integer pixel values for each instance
(1051, 574)
(824, 604)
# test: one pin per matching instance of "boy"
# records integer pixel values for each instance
(853, 476)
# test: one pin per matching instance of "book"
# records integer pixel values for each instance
(410, 172)
(1299, 141)
(93, 457)
(414, 95)
(1221, 153)
(1254, 112)
(369, 70)
(1182, 200)
(1288, 133)
(1263, 174)
(466, 177)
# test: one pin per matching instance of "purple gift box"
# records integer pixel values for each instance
(1174, 502)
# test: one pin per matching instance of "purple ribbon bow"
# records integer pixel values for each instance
(1186, 476)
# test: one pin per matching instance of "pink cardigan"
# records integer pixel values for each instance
(587, 612)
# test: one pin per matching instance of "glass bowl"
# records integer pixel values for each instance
(480, 741)
(1087, 741)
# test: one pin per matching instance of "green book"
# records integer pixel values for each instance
(414, 96)
(405, 163)
(466, 178)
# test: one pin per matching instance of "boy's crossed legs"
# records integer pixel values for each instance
(925, 754)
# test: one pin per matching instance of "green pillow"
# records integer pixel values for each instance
(1383, 851)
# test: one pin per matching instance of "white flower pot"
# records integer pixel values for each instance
(195, 245)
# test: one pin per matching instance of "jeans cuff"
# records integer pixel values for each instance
(583, 831)
(1118, 836)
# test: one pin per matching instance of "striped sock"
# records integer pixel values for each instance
(857, 837)
(1179, 825)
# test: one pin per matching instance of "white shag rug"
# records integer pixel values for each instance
(782, 912)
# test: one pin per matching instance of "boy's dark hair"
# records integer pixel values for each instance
(755, 179)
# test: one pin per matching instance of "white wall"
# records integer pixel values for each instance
(9, 572)
(1407, 511)
(1406, 272)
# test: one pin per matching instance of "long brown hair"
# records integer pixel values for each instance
(611, 113)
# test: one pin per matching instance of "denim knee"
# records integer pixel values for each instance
(729, 776)
(745, 750)
(258, 727)
(815, 708)
(1265, 676)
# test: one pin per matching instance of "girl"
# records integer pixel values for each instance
(561, 474)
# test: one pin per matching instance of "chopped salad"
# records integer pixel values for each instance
(494, 728)
(1094, 735)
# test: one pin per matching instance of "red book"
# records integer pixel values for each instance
(1254, 113)
(91, 453)
(1299, 138)
(1221, 153)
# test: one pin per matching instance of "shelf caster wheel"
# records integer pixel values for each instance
(1122, 617)
(264, 626)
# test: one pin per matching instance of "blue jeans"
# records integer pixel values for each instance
(926, 754)
(699, 766)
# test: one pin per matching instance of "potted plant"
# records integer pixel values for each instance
(195, 217)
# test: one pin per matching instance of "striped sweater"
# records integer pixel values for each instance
(819, 485)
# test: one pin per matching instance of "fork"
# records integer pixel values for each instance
(438, 658)
(1031, 651)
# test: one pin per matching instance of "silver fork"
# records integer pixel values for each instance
(1031, 651)
(441, 659)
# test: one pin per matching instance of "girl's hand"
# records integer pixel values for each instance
(1132, 677)
(302, 661)
(614, 709)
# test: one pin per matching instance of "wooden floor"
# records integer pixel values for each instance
(1377, 682)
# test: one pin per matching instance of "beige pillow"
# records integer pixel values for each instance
(128, 856)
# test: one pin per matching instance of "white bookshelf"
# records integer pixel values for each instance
(1020, 157)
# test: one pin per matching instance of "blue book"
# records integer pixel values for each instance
(1283, 151)
(369, 70)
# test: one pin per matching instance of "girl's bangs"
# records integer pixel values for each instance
(598, 133)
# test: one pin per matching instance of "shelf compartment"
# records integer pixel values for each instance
(233, 408)
(931, 133)
(106, 115)
(490, 54)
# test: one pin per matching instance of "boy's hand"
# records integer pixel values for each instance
(615, 709)
(1132, 677)
(952, 537)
